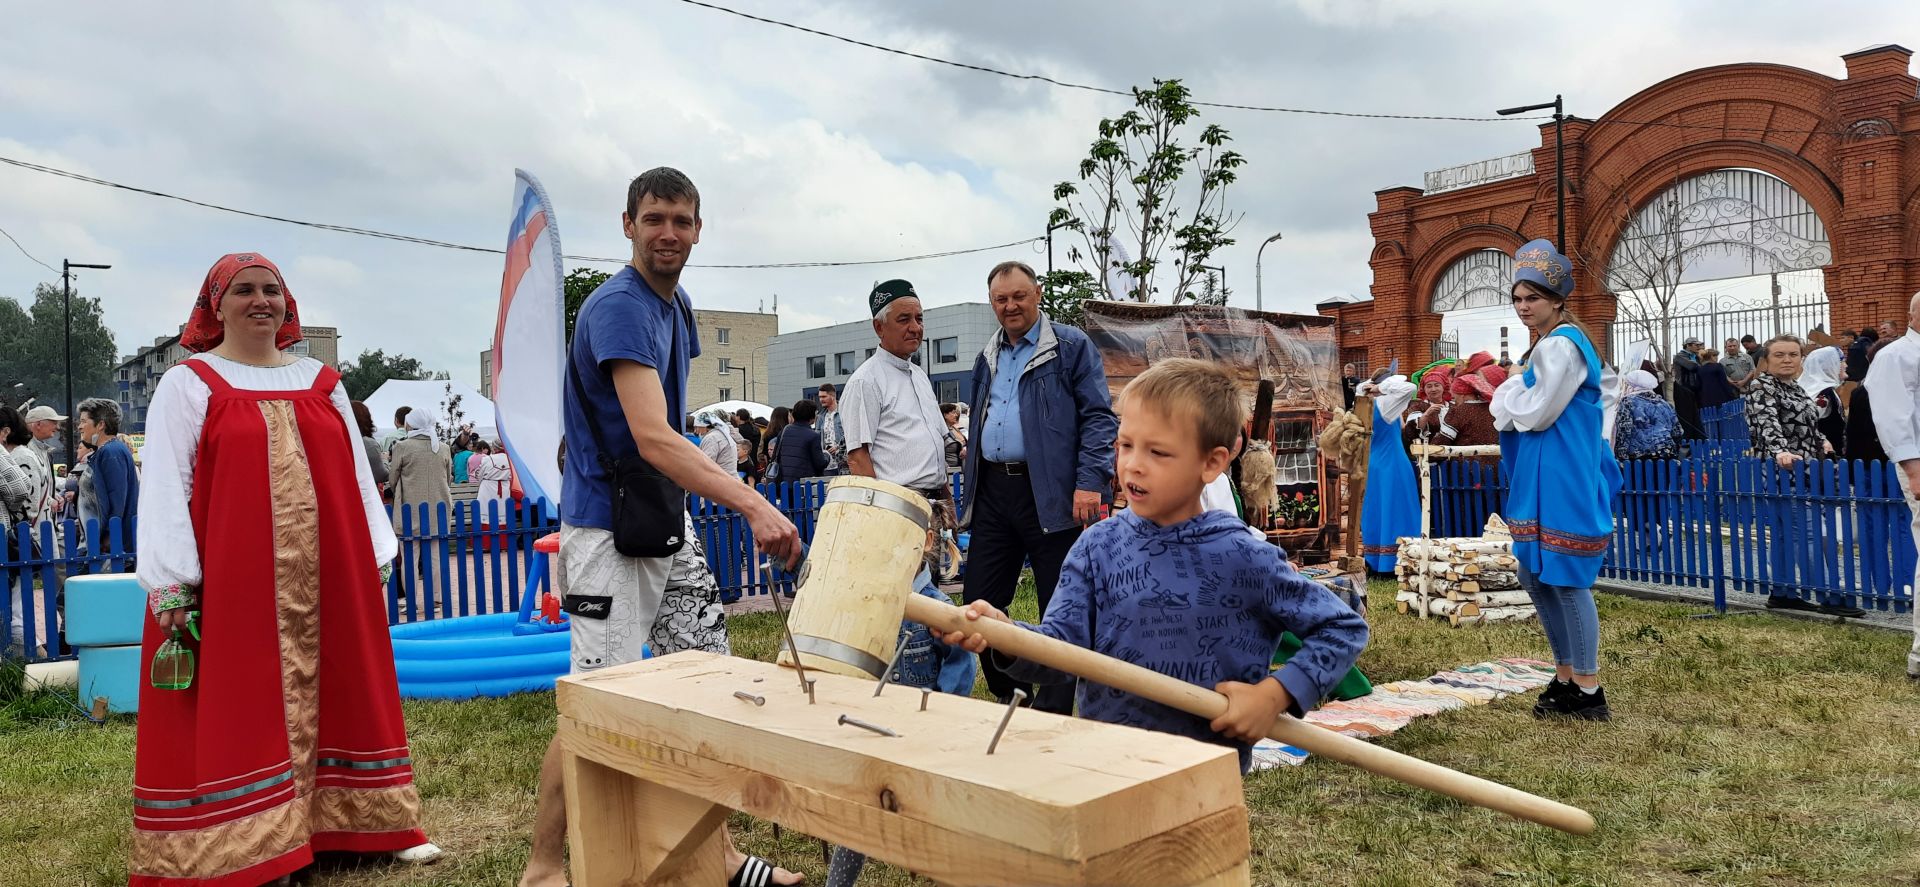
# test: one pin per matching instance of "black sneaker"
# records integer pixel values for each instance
(1552, 698)
(1584, 706)
(1785, 602)
(1842, 610)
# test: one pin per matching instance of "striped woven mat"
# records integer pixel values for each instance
(1393, 706)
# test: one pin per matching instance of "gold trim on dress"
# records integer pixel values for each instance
(393, 808)
(296, 584)
(219, 849)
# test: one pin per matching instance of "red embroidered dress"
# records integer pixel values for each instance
(290, 740)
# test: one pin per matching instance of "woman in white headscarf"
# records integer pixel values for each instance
(1390, 508)
(419, 474)
(1820, 377)
(492, 471)
(1647, 427)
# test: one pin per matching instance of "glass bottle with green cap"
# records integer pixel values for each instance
(173, 662)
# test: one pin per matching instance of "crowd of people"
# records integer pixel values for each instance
(799, 442)
(266, 534)
(99, 493)
(1662, 410)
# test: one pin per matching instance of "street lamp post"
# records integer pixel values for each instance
(1051, 226)
(1258, 302)
(66, 310)
(1559, 163)
(751, 365)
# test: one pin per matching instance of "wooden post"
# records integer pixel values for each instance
(627, 831)
(1357, 487)
(1426, 519)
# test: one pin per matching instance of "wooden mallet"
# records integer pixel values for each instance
(866, 547)
(1194, 700)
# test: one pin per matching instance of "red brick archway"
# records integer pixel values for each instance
(1851, 147)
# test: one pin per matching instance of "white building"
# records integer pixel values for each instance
(797, 363)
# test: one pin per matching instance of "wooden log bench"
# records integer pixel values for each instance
(658, 752)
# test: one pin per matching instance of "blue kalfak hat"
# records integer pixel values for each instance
(1538, 263)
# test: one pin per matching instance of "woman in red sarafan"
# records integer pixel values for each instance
(259, 514)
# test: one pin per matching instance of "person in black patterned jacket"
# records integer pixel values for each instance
(1781, 417)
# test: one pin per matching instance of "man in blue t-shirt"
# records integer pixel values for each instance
(626, 391)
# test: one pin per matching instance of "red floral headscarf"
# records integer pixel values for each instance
(204, 330)
(1484, 381)
(1436, 384)
(1464, 377)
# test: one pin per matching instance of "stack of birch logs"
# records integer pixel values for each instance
(1468, 581)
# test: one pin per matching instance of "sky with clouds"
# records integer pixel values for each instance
(411, 118)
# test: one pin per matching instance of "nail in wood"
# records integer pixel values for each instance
(887, 676)
(791, 648)
(744, 696)
(875, 728)
(1019, 696)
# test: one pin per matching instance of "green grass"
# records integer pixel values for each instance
(1750, 750)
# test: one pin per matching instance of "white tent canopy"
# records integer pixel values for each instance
(429, 394)
(756, 410)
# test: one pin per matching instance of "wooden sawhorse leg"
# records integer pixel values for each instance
(624, 831)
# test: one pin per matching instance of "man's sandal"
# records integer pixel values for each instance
(755, 872)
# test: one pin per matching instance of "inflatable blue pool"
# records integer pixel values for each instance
(476, 656)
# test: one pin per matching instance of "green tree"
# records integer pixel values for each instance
(373, 368)
(1062, 291)
(1129, 200)
(453, 420)
(580, 283)
(16, 329)
(33, 352)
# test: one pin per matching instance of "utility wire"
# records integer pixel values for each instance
(1065, 84)
(23, 251)
(1321, 112)
(427, 241)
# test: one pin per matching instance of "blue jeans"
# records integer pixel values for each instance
(1572, 623)
(927, 663)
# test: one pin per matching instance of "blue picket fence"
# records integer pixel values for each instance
(453, 560)
(34, 560)
(737, 569)
(1726, 429)
(1821, 531)
(456, 561)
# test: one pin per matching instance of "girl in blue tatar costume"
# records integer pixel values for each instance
(1561, 477)
(1390, 508)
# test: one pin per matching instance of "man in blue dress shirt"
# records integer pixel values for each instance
(1040, 457)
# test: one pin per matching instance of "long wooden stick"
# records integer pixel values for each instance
(1357, 481)
(1149, 684)
(1426, 522)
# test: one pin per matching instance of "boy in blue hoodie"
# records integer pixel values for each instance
(1186, 592)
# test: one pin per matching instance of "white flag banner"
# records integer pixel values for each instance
(529, 344)
(1121, 286)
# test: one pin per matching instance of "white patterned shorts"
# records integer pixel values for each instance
(617, 605)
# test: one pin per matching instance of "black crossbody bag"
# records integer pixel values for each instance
(649, 509)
